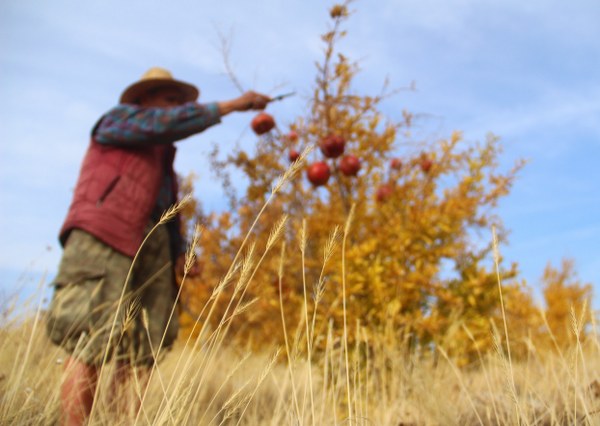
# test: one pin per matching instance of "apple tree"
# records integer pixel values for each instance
(418, 260)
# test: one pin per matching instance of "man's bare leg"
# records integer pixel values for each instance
(77, 392)
(129, 385)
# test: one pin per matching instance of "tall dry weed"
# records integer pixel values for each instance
(382, 380)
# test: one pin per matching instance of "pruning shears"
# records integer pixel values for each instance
(280, 97)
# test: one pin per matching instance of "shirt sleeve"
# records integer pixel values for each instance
(133, 125)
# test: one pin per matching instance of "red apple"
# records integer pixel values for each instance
(396, 164)
(332, 146)
(318, 173)
(292, 136)
(350, 165)
(383, 193)
(262, 123)
(425, 163)
(293, 155)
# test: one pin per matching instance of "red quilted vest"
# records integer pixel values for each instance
(116, 193)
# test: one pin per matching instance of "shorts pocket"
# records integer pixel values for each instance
(70, 312)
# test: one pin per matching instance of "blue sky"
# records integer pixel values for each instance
(526, 71)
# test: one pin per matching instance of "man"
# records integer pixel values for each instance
(125, 184)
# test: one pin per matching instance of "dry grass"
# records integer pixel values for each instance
(393, 388)
(204, 381)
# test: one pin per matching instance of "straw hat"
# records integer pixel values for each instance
(157, 77)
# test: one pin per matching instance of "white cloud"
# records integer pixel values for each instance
(554, 108)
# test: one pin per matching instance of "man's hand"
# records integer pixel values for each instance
(249, 100)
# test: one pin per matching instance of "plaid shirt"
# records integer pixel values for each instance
(131, 125)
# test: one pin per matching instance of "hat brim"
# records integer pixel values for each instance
(132, 94)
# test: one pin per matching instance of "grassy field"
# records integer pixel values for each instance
(209, 380)
(200, 384)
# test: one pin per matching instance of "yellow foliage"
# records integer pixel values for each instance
(567, 301)
(414, 265)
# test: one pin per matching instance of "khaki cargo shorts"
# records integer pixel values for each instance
(83, 315)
